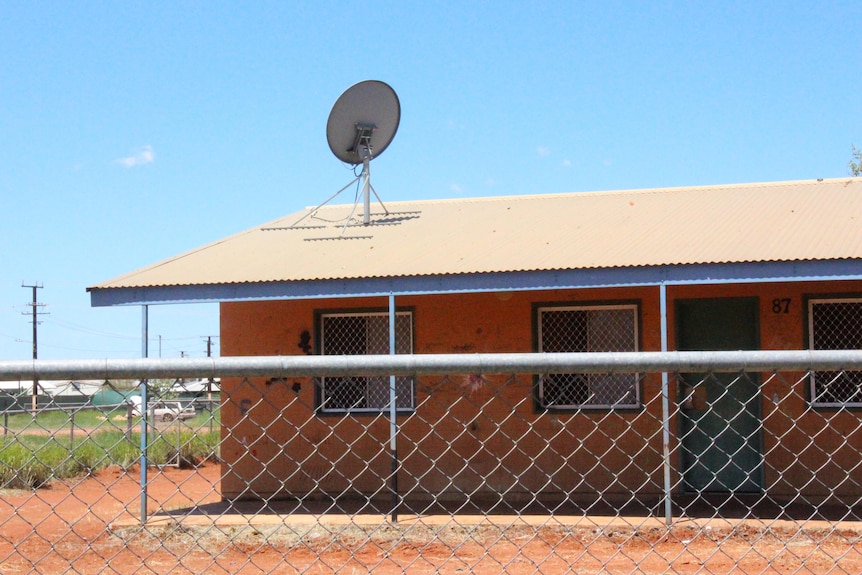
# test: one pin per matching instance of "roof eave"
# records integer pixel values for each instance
(743, 272)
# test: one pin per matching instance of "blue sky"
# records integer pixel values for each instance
(130, 132)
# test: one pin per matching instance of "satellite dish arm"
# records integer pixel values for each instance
(329, 199)
(382, 205)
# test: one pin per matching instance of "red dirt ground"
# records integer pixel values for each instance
(68, 527)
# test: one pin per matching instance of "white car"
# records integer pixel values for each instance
(171, 410)
(165, 410)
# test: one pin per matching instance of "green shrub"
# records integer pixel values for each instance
(20, 468)
(120, 450)
(29, 461)
(187, 448)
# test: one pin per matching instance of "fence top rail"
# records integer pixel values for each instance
(433, 364)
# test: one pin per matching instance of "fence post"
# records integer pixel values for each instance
(210, 400)
(145, 352)
(144, 433)
(665, 410)
(393, 412)
(128, 420)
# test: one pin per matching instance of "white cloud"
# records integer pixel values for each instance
(543, 151)
(456, 188)
(140, 157)
(566, 163)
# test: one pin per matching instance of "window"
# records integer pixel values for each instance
(364, 334)
(588, 329)
(835, 324)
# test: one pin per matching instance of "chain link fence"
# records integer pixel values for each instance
(720, 462)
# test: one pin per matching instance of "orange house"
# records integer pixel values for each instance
(771, 266)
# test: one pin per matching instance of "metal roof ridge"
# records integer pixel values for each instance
(591, 193)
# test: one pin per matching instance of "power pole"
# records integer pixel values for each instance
(35, 305)
(209, 340)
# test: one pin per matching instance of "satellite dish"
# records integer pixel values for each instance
(361, 125)
(363, 121)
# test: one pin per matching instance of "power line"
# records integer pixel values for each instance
(92, 331)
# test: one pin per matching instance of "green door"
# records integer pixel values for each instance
(720, 412)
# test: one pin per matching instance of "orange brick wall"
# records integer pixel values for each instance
(282, 428)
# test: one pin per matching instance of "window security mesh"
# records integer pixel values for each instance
(365, 334)
(835, 324)
(588, 329)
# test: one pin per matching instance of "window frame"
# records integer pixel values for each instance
(320, 343)
(539, 381)
(810, 303)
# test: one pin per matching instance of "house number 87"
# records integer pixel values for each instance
(781, 305)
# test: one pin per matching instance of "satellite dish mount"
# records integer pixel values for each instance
(363, 147)
(361, 125)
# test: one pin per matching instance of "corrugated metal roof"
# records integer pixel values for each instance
(767, 222)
